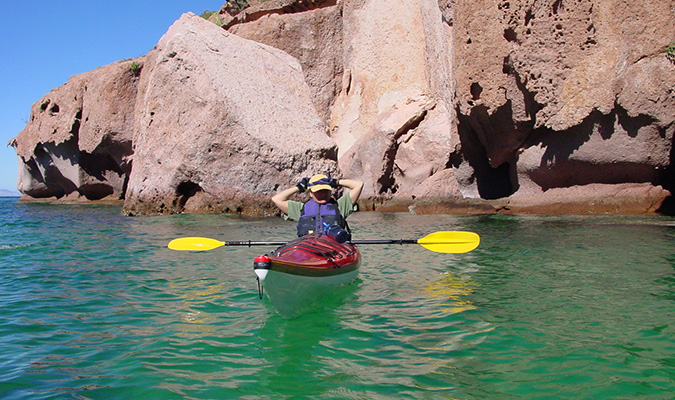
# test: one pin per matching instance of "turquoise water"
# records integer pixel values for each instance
(94, 306)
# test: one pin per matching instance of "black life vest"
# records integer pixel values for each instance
(315, 217)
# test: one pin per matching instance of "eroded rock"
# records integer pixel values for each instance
(78, 142)
(221, 122)
(507, 106)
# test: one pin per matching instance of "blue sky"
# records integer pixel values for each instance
(43, 43)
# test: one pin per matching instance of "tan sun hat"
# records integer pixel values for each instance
(321, 186)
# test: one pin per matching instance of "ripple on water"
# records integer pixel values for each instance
(95, 306)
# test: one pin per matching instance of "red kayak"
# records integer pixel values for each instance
(297, 274)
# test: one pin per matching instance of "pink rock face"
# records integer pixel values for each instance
(314, 38)
(78, 142)
(562, 99)
(221, 123)
(438, 106)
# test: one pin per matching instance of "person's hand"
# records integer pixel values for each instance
(333, 183)
(302, 185)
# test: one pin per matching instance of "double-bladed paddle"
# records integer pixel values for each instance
(440, 242)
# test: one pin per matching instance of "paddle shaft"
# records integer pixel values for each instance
(394, 241)
(251, 243)
(355, 242)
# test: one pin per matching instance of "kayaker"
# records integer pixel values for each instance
(321, 203)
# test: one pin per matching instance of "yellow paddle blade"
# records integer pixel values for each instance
(195, 244)
(450, 242)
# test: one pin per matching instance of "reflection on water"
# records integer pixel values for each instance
(454, 289)
(296, 351)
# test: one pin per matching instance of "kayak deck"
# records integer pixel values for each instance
(299, 273)
(315, 255)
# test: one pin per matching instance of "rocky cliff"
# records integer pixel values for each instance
(438, 105)
(78, 142)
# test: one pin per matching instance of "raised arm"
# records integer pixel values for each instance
(281, 199)
(355, 187)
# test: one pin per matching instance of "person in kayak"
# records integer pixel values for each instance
(321, 211)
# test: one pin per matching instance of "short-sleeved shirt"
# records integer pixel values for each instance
(344, 204)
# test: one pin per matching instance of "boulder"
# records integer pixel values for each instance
(403, 149)
(221, 123)
(78, 141)
(594, 198)
(393, 119)
(314, 38)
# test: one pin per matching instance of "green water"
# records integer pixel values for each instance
(94, 306)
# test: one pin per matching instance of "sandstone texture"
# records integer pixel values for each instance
(220, 119)
(78, 142)
(570, 101)
(558, 106)
(314, 38)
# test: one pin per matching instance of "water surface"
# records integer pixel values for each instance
(96, 307)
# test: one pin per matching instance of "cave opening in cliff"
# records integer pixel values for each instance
(490, 182)
(495, 183)
(184, 191)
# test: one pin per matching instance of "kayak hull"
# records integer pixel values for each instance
(297, 275)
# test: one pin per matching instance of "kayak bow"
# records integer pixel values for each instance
(298, 274)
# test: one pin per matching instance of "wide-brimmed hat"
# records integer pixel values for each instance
(319, 182)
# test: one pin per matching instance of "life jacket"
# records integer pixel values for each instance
(316, 218)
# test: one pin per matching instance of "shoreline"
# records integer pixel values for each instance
(630, 203)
